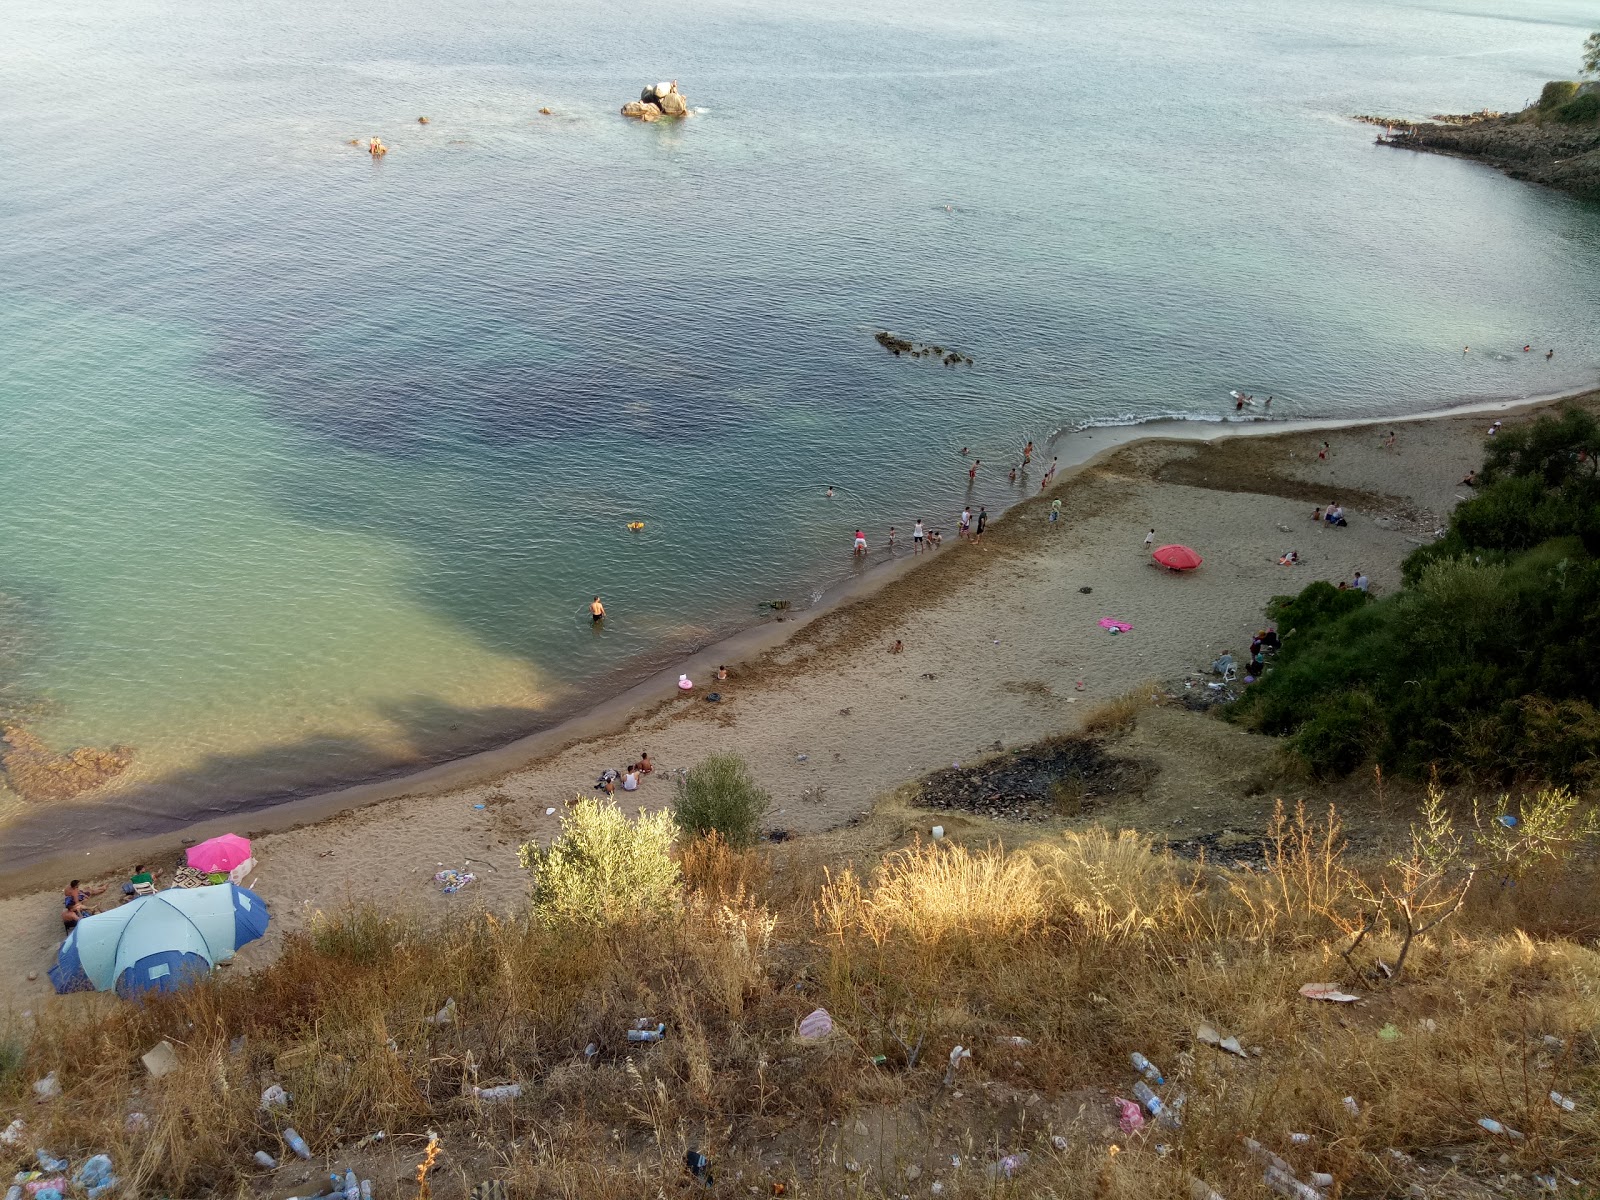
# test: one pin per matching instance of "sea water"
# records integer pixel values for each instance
(310, 464)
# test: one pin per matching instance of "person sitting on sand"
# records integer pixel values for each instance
(607, 782)
(1291, 558)
(722, 673)
(1470, 479)
(897, 648)
(72, 914)
(141, 878)
(1316, 514)
(1269, 640)
(1335, 515)
(630, 780)
(644, 766)
(936, 537)
(76, 895)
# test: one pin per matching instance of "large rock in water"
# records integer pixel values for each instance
(639, 110)
(674, 105)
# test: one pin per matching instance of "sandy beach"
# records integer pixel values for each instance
(1002, 646)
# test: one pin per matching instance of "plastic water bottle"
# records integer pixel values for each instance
(352, 1189)
(297, 1144)
(647, 1035)
(266, 1160)
(14, 1192)
(1151, 1101)
(366, 1189)
(1146, 1068)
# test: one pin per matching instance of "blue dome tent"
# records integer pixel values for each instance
(159, 943)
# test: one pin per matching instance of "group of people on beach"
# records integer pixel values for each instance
(970, 526)
(75, 896)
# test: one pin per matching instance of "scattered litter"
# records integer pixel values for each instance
(1019, 1042)
(938, 833)
(1285, 1184)
(549, 812)
(1326, 991)
(50, 1162)
(816, 1026)
(1507, 820)
(802, 758)
(480, 806)
(1494, 1126)
(1008, 1166)
(1428, 1025)
(371, 1139)
(1199, 1189)
(1114, 625)
(698, 1165)
(266, 1160)
(1059, 1142)
(95, 1176)
(642, 1032)
(1208, 1036)
(1128, 1115)
(12, 1135)
(297, 1144)
(1563, 1102)
(1546, 1183)
(590, 1053)
(1351, 1107)
(451, 881)
(1320, 1179)
(47, 1088)
(446, 1015)
(1300, 1139)
(274, 1097)
(161, 1059)
(1553, 1042)
(956, 1056)
(1148, 1098)
(1389, 1033)
(1388, 971)
(1146, 1068)
(498, 1095)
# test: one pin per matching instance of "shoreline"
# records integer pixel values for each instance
(1081, 449)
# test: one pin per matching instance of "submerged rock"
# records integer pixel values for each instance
(37, 773)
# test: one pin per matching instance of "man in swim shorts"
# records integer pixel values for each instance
(964, 527)
(597, 611)
(918, 537)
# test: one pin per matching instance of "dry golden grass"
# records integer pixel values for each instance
(1091, 945)
(1119, 713)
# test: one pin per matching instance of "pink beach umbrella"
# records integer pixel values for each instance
(220, 854)
(1177, 558)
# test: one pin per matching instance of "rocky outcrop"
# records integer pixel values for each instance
(898, 346)
(37, 773)
(657, 101)
(1539, 145)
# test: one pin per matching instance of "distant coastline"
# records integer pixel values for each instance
(1559, 154)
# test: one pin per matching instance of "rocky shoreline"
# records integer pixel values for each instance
(1558, 154)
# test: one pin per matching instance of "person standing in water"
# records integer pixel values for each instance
(891, 537)
(597, 611)
(861, 543)
(1027, 454)
(965, 527)
(983, 519)
(972, 471)
(918, 536)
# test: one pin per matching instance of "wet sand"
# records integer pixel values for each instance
(1001, 646)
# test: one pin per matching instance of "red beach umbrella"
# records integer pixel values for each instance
(1177, 558)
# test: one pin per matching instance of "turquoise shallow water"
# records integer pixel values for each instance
(310, 464)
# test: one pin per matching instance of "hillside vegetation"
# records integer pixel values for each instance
(1483, 665)
(1051, 964)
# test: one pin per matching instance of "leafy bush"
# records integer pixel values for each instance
(720, 794)
(1482, 663)
(604, 869)
(1556, 93)
(1584, 108)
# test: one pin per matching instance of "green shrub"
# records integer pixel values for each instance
(1584, 108)
(720, 794)
(604, 869)
(1483, 663)
(1556, 93)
